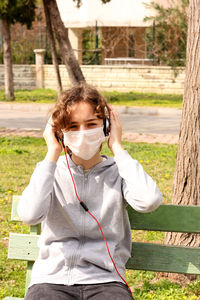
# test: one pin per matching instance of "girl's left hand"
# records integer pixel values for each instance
(115, 137)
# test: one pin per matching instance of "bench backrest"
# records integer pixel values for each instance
(145, 256)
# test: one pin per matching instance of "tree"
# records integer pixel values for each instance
(166, 39)
(53, 46)
(7, 58)
(186, 189)
(66, 51)
(12, 11)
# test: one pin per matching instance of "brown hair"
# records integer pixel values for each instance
(78, 93)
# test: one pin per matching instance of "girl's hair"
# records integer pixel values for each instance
(61, 115)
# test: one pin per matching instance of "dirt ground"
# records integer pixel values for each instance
(127, 136)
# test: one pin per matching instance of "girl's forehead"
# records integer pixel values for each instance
(81, 110)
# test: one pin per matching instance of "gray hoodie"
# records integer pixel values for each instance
(72, 250)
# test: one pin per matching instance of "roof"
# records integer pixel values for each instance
(114, 13)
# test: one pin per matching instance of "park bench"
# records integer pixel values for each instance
(145, 256)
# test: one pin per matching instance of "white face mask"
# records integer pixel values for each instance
(84, 143)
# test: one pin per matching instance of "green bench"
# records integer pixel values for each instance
(145, 256)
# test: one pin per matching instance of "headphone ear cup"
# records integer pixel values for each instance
(106, 126)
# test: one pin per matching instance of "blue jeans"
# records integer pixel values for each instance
(102, 291)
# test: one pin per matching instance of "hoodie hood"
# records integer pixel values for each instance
(106, 163)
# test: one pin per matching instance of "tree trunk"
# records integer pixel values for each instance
(186, 188)
(67, 54)
(53, 47)
(7, 57)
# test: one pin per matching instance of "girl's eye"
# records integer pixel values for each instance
(73, 127)
(92, 124)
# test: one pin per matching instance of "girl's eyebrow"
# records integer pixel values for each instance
(94, 119)
(89, 120)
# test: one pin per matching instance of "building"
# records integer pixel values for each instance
(99, 33)
(117, 27)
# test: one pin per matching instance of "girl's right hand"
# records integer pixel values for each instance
(54, 147)
(115, 137)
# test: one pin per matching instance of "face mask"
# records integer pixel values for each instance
(84, 143)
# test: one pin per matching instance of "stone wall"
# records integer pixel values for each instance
(121, 78)
(24, 76)
(108, 77)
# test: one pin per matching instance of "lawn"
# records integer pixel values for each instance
(18, 157)
(128, 99)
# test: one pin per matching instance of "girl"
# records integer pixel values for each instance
(79, 198)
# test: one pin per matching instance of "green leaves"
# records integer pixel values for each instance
(166, 39)
(3, 7)
(22, 11)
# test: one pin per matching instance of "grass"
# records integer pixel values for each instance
(115, 98)
(143, 99)
(18, 157)
(36, 95)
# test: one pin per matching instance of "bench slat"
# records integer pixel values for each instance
(161, 258)
(172, 218)
(164, 218)
(145, 256)
(23, 246)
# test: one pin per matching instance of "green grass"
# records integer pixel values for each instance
(37, 95)
(18, 157)
(115, 98)
(143, 99)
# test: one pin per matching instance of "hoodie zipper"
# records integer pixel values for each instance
(76, 253)
(85, 201)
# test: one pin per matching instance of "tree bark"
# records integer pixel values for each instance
(7, 57)
(186, 189)
(67, 54)
(53, 47)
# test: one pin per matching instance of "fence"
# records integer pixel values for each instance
(153, 79)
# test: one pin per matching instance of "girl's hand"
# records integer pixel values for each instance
(54, 147)
(115, 137)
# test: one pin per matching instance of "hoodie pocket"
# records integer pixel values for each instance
(50, 260)
(96, 253)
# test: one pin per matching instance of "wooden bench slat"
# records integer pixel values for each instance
(145, 256)
(164, 218)
(172, 218)
(23, 246)
(162, 258)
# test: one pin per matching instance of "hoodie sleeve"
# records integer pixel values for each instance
(35, 200)
(139, 189)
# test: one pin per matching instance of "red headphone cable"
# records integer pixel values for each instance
(87, 210)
